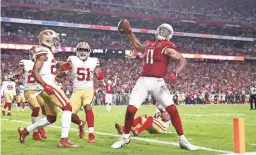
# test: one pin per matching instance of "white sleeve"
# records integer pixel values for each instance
(157, 111)
(97, 62)
(104, 84)
(2, 89)
(14, 90)
(69, 59)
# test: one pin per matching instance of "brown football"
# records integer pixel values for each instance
(123, 27)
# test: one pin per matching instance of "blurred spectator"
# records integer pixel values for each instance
(217, 10)
(198, 77)
(28, 34)
(74, 17)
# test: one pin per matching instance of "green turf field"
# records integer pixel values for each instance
(207, 126)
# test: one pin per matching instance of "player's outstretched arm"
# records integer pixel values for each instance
(136, 43)
(114, 84)
(2, 89)
(103, 82)
(14, 90)
(124, 27)
(37, 67)
(172, 53)
(19, 72)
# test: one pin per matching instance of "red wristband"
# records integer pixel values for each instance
(65, 67)
(100, 76)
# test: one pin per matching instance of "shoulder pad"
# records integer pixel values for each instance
(22, 62)
(41, 50)
(95, 60)
(170, 44)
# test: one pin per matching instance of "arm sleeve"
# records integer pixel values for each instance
(14, 90)
(2, 89)
(97, 62)
(69, 59)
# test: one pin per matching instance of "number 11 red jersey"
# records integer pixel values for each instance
(155, 62)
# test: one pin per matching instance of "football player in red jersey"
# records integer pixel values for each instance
(109, 93)
(155, 63)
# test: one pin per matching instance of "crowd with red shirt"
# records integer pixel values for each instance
(197, 77)
(112, 40)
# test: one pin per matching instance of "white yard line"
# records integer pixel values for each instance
(215, 123)
(199, 115)
(136, 138)
(247, 153)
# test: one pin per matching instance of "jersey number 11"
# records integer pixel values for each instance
(149, 56)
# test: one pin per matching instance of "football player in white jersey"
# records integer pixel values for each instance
(82, 69)
(44, 72)
(223, 98)
(252, 97)
(30, 92)
(20, 98)
(8, 90)
(157, 124)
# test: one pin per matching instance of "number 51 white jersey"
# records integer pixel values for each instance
(82, 72)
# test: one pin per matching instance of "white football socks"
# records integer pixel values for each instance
(65, 123)
(182, 137)
(38, 124)
(109, 107)
(34, 119)
(126, 136)
(43, 116)
(91, 129)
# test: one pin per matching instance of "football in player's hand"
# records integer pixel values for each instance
(165, 116)
(124, 27)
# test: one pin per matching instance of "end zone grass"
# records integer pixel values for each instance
(208, 126)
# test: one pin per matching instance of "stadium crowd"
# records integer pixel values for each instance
(112, 40)
(217, 10)
(62, 16)
(197, 78)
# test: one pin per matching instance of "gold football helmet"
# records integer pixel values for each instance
(83, 50)
(49, 38)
